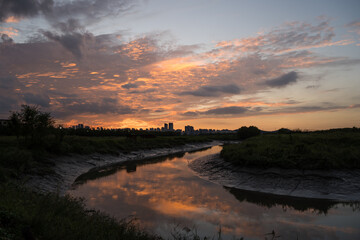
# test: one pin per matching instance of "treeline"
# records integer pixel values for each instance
(252, 131)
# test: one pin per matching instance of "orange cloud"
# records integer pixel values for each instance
(12, 19)
(10, 31)
(67, 65)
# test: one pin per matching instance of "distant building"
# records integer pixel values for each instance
(166, 126)
(171, 126)
(189, 130)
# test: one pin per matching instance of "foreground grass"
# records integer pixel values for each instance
(314, 150)
(28, 215)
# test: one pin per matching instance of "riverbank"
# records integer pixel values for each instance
(19, 157)
(335, 185)
(322, 150)
(68, 168)
(24, 211)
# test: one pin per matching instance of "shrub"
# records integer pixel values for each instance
(247, 132)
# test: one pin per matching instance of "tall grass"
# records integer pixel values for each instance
(315, 150)
(28, 215)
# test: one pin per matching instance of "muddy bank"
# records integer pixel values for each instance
(339, 185)
(68, 168)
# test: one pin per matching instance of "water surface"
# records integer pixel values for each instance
(166, 197)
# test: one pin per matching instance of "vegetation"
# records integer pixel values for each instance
(26, 146)
(31, 139)
(332, 149)
(247, 132)
(28, 215)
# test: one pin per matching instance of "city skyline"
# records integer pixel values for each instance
(210, 64)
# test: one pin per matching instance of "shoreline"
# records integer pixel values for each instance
(68, 168)
(335, 185)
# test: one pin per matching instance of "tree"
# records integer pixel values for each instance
(31, 123)
(247, 132)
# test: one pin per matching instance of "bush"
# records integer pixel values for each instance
(247, 132)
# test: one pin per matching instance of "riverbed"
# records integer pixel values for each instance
(168, 197)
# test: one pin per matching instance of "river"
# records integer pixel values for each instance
(168, 198)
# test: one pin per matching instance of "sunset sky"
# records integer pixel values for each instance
(210, 64)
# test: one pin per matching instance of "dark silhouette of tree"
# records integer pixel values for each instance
(31, 123)
(247, 132)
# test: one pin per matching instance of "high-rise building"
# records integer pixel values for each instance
(171, 126)
(189, 129)
(165, 126)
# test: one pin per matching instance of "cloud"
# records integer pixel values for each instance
(190, 114)
(133, 85)
(72, 36)
(149, 90)
(289, 37)
(105, 105)
(213, 91)
(23, 8)
(354, 27)
(283, 80)
(226, 110)
(9, 97)
(42, 100)
(90, 10)
(182, 78)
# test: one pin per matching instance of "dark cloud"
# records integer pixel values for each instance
(213, 91)
(23, 8)
(106, 105)
(42, 100)
(90, 10)
(149, 90)
(312, 86)
(226, 111)
(9, 98)
(6, 39)
(132, 85)
(7, 83)
(72, 36)
(160, 110)
(190, 114)
(283, 80)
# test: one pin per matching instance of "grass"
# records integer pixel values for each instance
(114, 145)
(28, 215)
(313, 150)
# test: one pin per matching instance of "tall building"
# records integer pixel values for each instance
(189, 129)
(171, 126)
(165, 126)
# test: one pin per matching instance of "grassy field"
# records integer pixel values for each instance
(313, 150)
